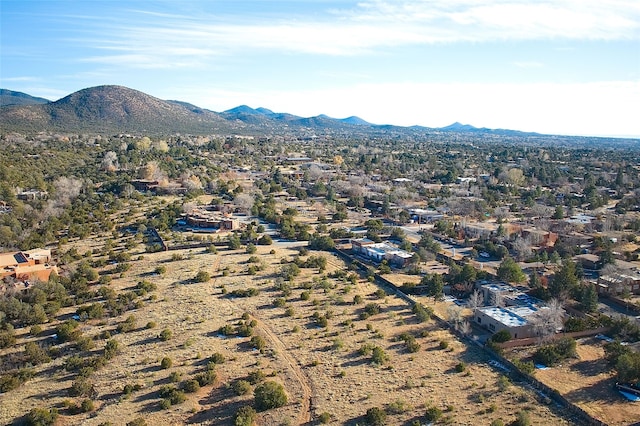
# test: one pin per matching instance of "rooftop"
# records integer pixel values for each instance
(511, 317)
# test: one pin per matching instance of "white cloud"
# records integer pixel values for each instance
(371, 25)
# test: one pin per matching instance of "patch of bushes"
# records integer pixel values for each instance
(269, 395)
(433, 414)
(375, 416)
(171, 396)
(501, 336)
(206, 378)
(423, 314)
(41, 417)
(245, 416)
(256, 376)
(241, 387)
(202, 277)
(191, 386)
(245, 292)
(555, 352)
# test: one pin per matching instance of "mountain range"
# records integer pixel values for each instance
(116, 109)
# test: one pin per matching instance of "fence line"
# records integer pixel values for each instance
(543, 390)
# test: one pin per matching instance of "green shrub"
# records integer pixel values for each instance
(81, 387)
(241, 387)
(258, 342)
(35, 354)
(166, 363)
(206, 378)
(111, 348)
(555, 352)
(269, 395)
(165, 334)
(128, 325)
(41, 417)
(460, 367)
(397, 407)
(375, 416)
(256, 376)
(522, 419)
(423, 314)
(172, 394)
(245, 416)
(324, 418)
(191, 386)
(202, 277)
(443, 344)
(87, 405)
(217, 358)
(501, 336)
(138, 421)
(378, 355)
(433, 414)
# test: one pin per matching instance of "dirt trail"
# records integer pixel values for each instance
(305, 412)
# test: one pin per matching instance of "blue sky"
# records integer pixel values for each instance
(551, 66)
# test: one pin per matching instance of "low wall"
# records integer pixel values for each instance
(535, 340)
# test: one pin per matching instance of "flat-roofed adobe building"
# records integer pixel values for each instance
(514, 319)
(27, 265)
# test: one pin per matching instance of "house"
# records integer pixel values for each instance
(513, 319)
(589, 261)
(205, 219)
(422, 215)
(541, 239)
(377, 252)
(461, 180)
(145, 185)
(492, 291)
(32, 194)
(27, 265)
(615, 284)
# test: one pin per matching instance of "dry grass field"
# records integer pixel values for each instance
(588, 382)
(325, 370)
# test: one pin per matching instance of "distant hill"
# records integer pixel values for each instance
(355, 120)
(117, 109)
(112, 109)
(11, 98)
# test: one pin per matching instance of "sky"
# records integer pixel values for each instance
(569, 67)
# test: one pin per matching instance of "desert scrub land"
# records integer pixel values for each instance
(203, 331)
(587, 381)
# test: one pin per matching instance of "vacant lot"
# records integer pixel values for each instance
(588, 382)
(320, 334)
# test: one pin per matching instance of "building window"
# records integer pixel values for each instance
(479, 320)
(492, 327)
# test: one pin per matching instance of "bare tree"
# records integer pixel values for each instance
(67, 190)
(501, 213)
(542, 211)
(315, 173)
(244, 202)
(110, 162)
(464, 327)
(189, 207)
(475, 300)
(547, 320)
(454, 313)
(522, 247)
